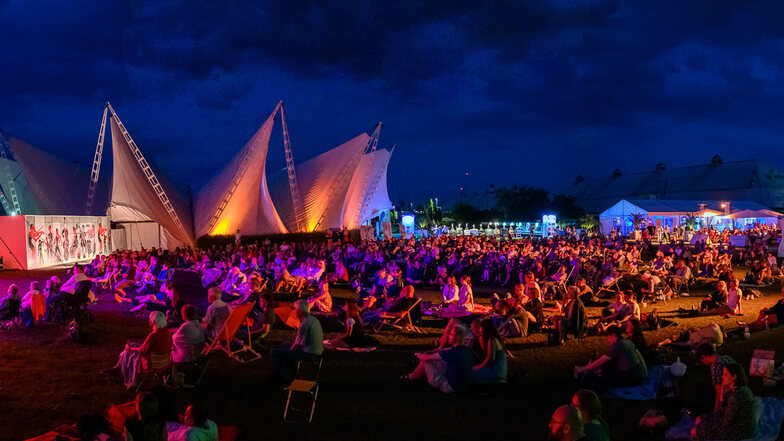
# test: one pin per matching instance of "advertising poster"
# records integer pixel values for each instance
(57, 240)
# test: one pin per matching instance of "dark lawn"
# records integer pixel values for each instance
(46, 380)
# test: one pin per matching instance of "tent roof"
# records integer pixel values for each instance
(50, 185)
(133, 198)
(676, 207)
(321, 185)
(241, 190)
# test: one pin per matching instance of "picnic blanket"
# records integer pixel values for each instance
(643, 392)
(771, 413)
(328, 345)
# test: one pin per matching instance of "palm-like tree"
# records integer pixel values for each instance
(636, 219)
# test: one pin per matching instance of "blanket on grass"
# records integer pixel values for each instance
(643, 392)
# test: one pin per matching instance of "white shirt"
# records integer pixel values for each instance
(464, 294)
(188, 335)
(450, 294)
(70, 285)
(733, 298)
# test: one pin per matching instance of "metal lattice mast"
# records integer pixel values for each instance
(371, 193)
(96, 162)
(148, 173)
(296, 200)
(345, 173)
(372, 146)
(9, 177)
(244, 165)
(4, 201)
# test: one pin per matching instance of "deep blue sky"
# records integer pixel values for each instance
(519, 93)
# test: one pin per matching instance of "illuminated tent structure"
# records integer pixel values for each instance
(340, 188)
(367, 195)
(238, 198)
(139, 202)
(42, 183)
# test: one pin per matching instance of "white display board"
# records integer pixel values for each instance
(57, 240)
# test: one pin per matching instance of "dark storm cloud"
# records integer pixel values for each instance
(530, 81)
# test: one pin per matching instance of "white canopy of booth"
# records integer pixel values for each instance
(671, 213)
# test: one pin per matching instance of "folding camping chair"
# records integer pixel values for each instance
(160, 367)
(395, 319)
(612, 288)
(198, 364)
(225, 338)
(303, 392)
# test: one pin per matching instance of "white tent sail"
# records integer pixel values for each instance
(324, 182)
(238, 198)
(45, 183)
(138, 195)
(367, 194)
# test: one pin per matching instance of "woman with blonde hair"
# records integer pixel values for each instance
(465, 294)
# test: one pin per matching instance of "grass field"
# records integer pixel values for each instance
(46, 379)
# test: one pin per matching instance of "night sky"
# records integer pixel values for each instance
(520, 93)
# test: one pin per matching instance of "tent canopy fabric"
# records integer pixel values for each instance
(742, 214)
(657, 207)
(240, 194)
(323, 186)
(133, 198)
(49, 185)
(367, 194)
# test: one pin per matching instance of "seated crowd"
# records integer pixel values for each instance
(571, 272)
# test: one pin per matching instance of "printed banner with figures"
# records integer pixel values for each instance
(57, 240)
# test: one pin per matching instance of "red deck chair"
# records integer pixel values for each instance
(237, 318)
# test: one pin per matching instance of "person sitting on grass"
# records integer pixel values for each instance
(447, 369)
(146, 426)
(768, 317)
(154, 302)
(493, 367)
(355, 333)
(450, 292)
(404, 302)
(572, 318)
(736, 415)
(708, 356)
(513, 320)
(629, 310)
(715, 301)
(566, 424)
(322, 300)
(585, 293)
(594, 426)
(195, 426)
(692, 338)
(535, 307)
(621, 365)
